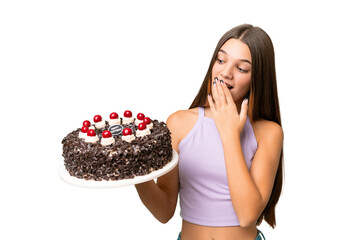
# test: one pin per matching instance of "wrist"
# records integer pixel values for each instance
(230, 137)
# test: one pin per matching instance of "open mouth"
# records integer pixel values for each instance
(229, 87)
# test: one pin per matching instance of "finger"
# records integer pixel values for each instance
(211, 104)
(215, 94)
(221, 92)
(244, 110)
(228, 96)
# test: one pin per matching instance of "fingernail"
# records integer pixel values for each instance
(208, 94)
(246, 101)
(214, 83)
(216, 79)
(221, 81)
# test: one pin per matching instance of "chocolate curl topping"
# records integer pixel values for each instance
(120, 160)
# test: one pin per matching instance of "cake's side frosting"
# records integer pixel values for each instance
(120, 160)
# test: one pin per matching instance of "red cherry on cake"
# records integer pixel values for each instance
(128, 114)
(97, 118)
(140, 116)
(127, 131)
(114, 115)
(142, 126)
(147, 120)
(106, 134)
(84, 129)
(91, 133)
(86, 123)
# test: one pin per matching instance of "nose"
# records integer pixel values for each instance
(226, 72)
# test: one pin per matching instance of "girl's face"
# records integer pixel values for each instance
(233, 66)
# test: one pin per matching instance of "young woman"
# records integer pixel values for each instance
(230, 142)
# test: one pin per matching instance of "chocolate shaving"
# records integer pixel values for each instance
(121, 160)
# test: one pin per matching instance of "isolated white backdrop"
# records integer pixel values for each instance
(62, 62)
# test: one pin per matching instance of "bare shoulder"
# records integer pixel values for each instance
(182, 116)
(268, 131)
(180, 123)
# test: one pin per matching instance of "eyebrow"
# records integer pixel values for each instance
(243, 60)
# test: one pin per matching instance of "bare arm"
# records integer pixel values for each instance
(250, 191)
(160, 198)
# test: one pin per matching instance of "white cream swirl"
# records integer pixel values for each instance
(107, 141)
(150, 126)
(100, 125)
(93, 139)
(142, 133)
(137, 122)
(82, 135)
(114, 121)
(128, 138)
(127, 120)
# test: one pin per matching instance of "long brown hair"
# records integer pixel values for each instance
(263, 96)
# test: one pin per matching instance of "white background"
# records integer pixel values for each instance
(62, 62)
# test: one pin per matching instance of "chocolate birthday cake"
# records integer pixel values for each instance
(121, 148)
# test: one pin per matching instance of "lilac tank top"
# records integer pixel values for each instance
(204, 191)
